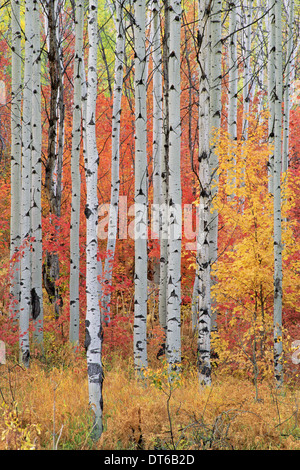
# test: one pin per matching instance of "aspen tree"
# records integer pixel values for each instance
(215, 123)
(75, 173)
(93, 326)
(115, 155)
(173, 347)
(247, 68)
(233, 72)
(278, 349)
(203, 259)
(164, 172)
(141, 218)
(36, 207)
(157, 119)
(25, 303)
(16, 151)
(287, 86)
(271, 88)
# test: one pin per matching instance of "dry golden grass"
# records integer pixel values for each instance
(225, 416)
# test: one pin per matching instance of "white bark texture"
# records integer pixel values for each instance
(278, 360)
(93, 338)
(164, 169)
(287, 86)
(26, 189)
(203, 261)
(174, 196)
(140, 277)
(271, 89)
(115, 157)
(36, 206)
(247, 68)
(16, 151)
(76, 181)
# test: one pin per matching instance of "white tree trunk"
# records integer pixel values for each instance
(278, 360)
(26, 189)
(271, 89)
(36, 208)
(76, 180)
(16, 151)
(141, 218)
(115, 157)
(203, 260)
(93, 339)
(287, 86)
(174, 196)
(247, 68)
(164, 170)
(157, 119)
(215, 123)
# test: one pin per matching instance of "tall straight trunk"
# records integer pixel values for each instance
(141, 218)
(287, 86)
(25, 303)
(157, 120)
(203, 260)
(93, 326)
(16, 151)
(174, 196)
(76, 180)
(247, 69)
(278, 360)
(233, 72)
(115, 157)
(53, 167)
(271, 90)
(215, 123)
(164, 173)
(36, 210)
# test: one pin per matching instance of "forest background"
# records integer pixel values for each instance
(208, 379)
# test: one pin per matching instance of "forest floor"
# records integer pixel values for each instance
(46, 407)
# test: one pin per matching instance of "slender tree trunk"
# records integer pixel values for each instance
(203, 268)
(16, 151)
(141, 218)
(76, 180)
(215, 123)
(271, 90)
(287, 85)
(174, 196)
(157, 120)
(247, 69)
(164, 171)
(115, 157)
(53, 168)
(93, 338)
(278, 360)
(25, 303)
(36, 209)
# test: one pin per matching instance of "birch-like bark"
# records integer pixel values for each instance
(215, 123)
(173, 349)
(93, 326)
(36, 209)
(271, 90)
(233, 72)
(141, 219)
(25, 303)
(203, 260)
(76, 180)
(16, 151)
(278, 349)
(164, 169)
(115, 157)
(247, 69)
(287, 86)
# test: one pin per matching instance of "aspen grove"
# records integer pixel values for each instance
(149, 221)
